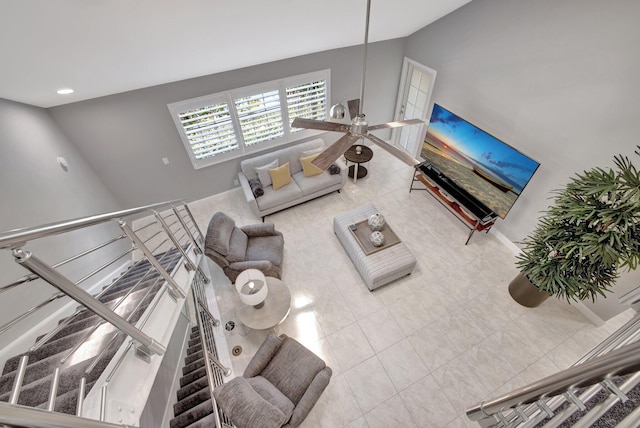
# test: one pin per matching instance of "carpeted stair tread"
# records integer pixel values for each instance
(37, 380)
(195, 414)
(193, 342)
(194, 349)
(193, 366)
(36, 392)
(193, 357)
(192, 401)
(58, 345)
(193, 376)
(48, 364)
(206, 422)
(194, 386)
(620, 410)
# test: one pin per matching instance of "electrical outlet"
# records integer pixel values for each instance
(236, 182)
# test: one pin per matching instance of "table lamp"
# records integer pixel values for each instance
(251, 286)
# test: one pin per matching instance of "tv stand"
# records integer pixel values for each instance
(464, 206)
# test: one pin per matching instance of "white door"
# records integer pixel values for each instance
(416, 86)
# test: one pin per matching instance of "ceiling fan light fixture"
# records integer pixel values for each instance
(337, 111)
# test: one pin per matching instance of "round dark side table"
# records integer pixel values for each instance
(351, 155)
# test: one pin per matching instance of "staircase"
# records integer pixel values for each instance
(129, 296)
(79, 373)
(601, 390)
(194, 408)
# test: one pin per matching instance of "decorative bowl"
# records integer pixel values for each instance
(377, 238)
(376, 221)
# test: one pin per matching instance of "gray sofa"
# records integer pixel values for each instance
(301, 189)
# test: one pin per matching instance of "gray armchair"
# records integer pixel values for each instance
(279, 387)
(234, 249)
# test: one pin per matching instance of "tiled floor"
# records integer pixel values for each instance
(417, 352)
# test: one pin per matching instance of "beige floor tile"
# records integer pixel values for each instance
(391, 413)
(403, 364)
(370, 384)
(350, 346)
(428, 404)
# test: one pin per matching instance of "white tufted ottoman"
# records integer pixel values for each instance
(381, 267)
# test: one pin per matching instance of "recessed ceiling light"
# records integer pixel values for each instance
(65, 91)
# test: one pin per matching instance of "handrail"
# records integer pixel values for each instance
(17, 237)
(622, 361)
(622, 336)
(205, 352)
(20, 416)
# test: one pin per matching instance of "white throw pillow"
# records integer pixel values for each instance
(311, 152)
(263, 173)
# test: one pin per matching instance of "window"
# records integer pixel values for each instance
(219, 127)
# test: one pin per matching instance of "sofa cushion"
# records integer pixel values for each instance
(309, 185)
(266, 248)
(273, 198)
(219, 233)
(246, 407)
(280, 176)
(271, 394)
(309, 169)
(263, 172)
(293, 369)
(237, 245)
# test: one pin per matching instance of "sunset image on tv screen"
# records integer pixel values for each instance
(491, 170)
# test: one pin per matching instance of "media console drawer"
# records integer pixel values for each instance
(471, 212)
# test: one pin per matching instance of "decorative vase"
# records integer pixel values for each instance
(377, 238)
(525, 293)
(376, 221)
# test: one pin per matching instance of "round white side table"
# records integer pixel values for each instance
(275, 310)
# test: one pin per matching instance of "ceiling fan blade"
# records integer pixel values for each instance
(333, 152)
(299, 122)
(354, 107)
(396, 124)
(400, 154)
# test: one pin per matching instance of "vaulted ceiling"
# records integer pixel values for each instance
(102, 47)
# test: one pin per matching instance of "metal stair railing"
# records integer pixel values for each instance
(205, 321)
(177, 229)
(616, 356)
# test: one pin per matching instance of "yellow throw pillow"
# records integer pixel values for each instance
(309, 168)
(280, 176)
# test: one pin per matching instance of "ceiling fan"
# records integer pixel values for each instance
(359, 128)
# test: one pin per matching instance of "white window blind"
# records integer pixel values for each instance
(260, 117)
(216, 128)
(307, 101)
(209, 130)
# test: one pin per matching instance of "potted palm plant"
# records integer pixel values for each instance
(585, 238)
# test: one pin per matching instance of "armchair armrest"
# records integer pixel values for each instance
(260, 229)
(265, 353)
(310, 397)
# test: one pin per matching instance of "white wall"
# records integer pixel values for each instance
(36, 190)
(557, 80)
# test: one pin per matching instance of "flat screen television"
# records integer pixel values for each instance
(489, 169)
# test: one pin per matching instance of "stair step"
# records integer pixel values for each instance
(193, 376)
(194, 349)
(206, 422)
(194, 386)
(195, 414)
(193, 366)
(192, 401)
(193, 357)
